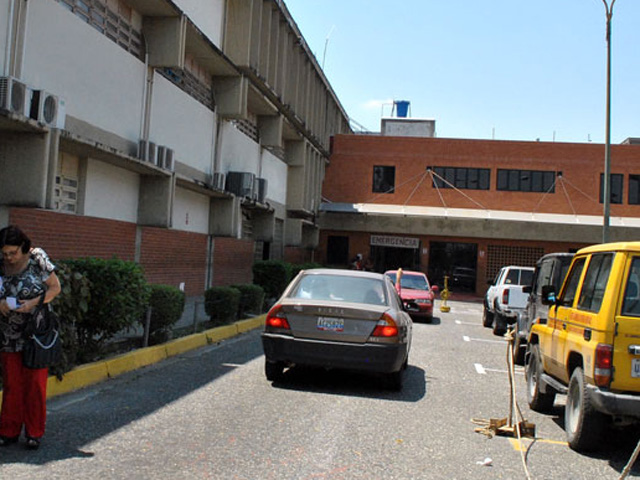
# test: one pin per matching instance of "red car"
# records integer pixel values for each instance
(415, 289)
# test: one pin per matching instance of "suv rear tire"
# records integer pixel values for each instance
(538, 400)
(582, 422)
(487, 317)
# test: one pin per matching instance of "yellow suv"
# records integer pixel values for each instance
(589, 346)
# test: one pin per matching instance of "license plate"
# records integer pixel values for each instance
(331, 324)
(635, 368)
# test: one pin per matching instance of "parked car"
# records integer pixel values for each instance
(464, 278)
(550, 270)
(344, 319)
(417, 294)
(589, 347)
(505, 301)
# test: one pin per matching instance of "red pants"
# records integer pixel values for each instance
(24, 397)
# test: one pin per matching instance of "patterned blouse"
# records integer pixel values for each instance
(28, 284)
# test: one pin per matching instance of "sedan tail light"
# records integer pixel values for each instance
(386, 327)
(603, 364)
(276, 318)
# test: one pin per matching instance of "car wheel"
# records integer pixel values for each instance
(582, 422)
(500, 325)
(274, 371)
(519, 347)
(538, 401)
(487, 317)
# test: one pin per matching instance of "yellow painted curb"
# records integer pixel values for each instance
(78, 378)
(184, 344)
(250, 324)
(135, 359)
(218, 334)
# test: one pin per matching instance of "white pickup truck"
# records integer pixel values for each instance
(505, 300)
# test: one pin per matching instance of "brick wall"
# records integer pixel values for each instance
(172, 257)
(232, 261)
(349, 176)
(64, 235)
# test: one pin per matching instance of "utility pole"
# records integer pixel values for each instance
(606, 191)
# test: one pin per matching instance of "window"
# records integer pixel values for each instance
(543, 276)
(572, 280)
(595, 282)
(384, 179)
(462, 178)
(526, 181)
(65, 195)
(634, 189)
(631, 305)
(120, 25)
(615, 195)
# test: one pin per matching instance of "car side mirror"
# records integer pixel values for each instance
(527, 289)
(548, 296)
(435, 288)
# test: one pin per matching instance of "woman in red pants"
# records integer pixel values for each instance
(26, 275)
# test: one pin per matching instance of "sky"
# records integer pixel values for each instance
(483, 69)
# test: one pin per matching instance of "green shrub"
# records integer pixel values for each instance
(119, 297)
(167, 305)
(272, 276)
(221, 304)
(297, 267)
(251, 299)
(71, 305)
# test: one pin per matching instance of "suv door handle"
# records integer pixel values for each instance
(634, 349)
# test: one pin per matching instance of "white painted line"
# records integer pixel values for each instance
(232, 365)
(496, 370)
(473, 324)
(465, 338)
(480, 369)
(468, 339)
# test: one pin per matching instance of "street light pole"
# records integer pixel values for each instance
(606, 191)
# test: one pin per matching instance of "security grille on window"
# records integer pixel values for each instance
(384, 179)
(116, 25)
(462, 178)
(65, 195)
(615, 194)
(499, 256)
(526, 181)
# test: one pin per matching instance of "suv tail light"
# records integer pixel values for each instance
(276, 318)
(603, 364)
(386, 327)
(505, 296)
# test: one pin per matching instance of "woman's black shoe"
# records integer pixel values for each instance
(6, 441)
(32, 443)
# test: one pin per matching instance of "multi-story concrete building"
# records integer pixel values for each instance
(191, 137)
(468, 207)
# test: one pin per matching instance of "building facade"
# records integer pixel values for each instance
(465, 208)
(191, 137)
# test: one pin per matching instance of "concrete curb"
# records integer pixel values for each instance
(92, 373)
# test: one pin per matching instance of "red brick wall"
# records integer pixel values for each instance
(232, 261)
(64, 235)
(349, 176)
(298, 255)
(172, 257)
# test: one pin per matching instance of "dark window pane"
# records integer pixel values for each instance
(514, 180)
(485, 178)
(525, 181)
(634, 189)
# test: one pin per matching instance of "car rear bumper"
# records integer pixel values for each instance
(622, 404)
(383, 358)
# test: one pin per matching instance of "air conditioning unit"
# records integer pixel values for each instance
(241, 184)
(48, 109)
(148, 152)
(15, 96)
(261, 189)
(218, 180)
(165, 157)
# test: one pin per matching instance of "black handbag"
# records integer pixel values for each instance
(42, 346)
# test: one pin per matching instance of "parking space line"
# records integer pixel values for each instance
(473, 324)
(480, 369)
(483, 370)
(518, 446)
(469, 339)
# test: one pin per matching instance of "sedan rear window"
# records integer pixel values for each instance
(341, 288)
(414, 282)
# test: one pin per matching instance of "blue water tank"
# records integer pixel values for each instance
(402, 108)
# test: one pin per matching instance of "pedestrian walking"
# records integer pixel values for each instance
(27, 274)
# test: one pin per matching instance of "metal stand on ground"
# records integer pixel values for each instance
(506, 426)
(195, 315)
(147, 326)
